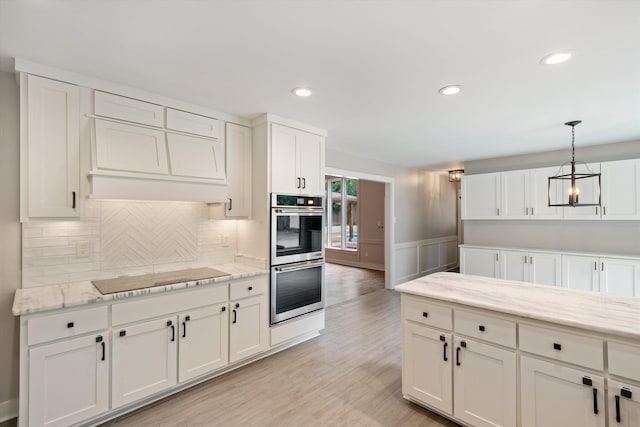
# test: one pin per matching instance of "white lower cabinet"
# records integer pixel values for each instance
(426, 366)
(203, 344)
(247, 332)
(144, 359)
(624, 404)
(484, 384)
(480, 262)
(554, 395)
(68, 380)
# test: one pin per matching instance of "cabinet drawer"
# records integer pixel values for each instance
(427, 313)
(154, 306)
(624, 360)
(68, 324)
(247, 288)
(131, 110)
(192, 123)
(484, 327)
(563, 346)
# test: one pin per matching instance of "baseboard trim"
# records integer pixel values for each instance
(8, 409)
(356, 264)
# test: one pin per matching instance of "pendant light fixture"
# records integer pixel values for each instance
(456, 175)
(573, 181)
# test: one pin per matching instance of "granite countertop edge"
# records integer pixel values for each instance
(56, 297)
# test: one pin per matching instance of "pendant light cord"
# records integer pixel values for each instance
(573, 146)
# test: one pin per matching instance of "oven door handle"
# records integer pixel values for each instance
(309, 264)
(301, 211)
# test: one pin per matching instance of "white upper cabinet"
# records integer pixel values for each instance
(238, 171)
(539, 194)
(192, 123)
(129, 148)
(297, 161)
(481, 196)
(195, 157)
(50, 145)
(621, 189)
(525, 194)
(130, 110)
(515, 194)
(588, 193)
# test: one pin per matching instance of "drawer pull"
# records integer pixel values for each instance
(442, 338)
(463, 344)
(250, 288)
(444, 350)
(595, 401)
(625, 392)
(557, 346)
(223, 309)
(425, 314)
(587, 381)
(123, 333)
(618, 419)
(481, 327)
(70, 325)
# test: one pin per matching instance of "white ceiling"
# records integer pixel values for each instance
(375, 66)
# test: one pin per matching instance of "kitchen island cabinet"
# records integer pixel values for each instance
(564, 357)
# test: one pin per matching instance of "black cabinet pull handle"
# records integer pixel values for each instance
(625, 392)
(103, 351)
(298, 182)
(304, 183)
(618, 419)
(70, 325)
(184, 329)
(73, 201)
(173, 333)
(250, 288)
(444, 356)
(101, 341)
(234, 316)
(458, 356)
(425, 314)
(223, 309)
(557, 346)
(481, 327)
(237, 305)
(230, 204)
(595, 401)
(123, 333)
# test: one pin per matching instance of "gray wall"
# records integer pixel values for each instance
(9, 233)
(615, 237)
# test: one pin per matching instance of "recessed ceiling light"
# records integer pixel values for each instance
(450, 90)
(302, 91)
(556, 58)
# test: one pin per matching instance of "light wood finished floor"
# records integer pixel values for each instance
(343, 283)
(349, 376)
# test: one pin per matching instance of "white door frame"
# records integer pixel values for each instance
(389, 215)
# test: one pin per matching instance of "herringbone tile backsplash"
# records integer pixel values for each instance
(125, 238)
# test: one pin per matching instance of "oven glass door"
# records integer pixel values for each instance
(296, 235)
(296, 289)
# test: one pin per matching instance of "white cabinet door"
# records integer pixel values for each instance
(624, 405)
(514, 265)
(144, 360)
(580, 272)
(285, 172)
(620, 277)
(68, 381)
(426, 366)
(195, 157)
(481, 196)
(310, 151)
(52, 148)
(192, 123)
(540, 194)
(484, 384)
(238, 171)
(204, 339)
(553, 395)
(621, 189)
(130, 148)
(131, 110)
(545, 268)
(588, 189)
(248, 331)
(515, 194)
(479, 262)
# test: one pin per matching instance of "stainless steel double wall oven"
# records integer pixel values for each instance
(297, 255)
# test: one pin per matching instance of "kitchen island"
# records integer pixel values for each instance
(484, 351)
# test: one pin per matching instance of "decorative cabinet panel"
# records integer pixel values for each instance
(128, 109)
(50, 146)
(297, 161)
(193, 123)
(238, 171)
(479, 262)
(621, 189)
(426, 366)
(481, 196)
(195, 157)
(68, 380)
(144, 360)
(247, 331)
(554, 395)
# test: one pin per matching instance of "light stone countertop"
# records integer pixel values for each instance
(45, 298)
(591, 311)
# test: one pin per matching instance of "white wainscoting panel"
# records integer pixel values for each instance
(422, 257)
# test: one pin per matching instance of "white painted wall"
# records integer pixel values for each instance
(9, 240)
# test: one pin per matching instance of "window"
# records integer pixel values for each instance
(342, 213)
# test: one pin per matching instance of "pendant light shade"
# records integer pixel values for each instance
(573, 181)
(455, 175)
